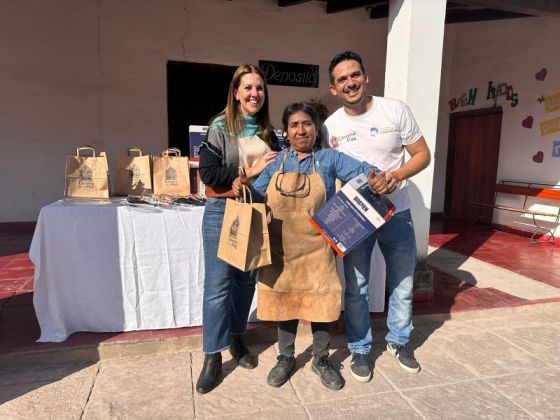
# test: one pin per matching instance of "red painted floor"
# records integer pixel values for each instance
(513, 252)
(19, 327)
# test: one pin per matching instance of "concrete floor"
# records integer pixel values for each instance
(493, 364)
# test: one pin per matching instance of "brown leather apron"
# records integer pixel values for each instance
(302, 282)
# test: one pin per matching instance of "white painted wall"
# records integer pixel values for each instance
(510, 51)
(94, 72)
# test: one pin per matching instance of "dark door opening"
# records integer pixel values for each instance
(195, 93)
(472, 162)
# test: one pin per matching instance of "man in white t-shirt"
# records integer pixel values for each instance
(378, 130)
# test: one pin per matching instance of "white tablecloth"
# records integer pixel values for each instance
(112, 267)
(116, 268)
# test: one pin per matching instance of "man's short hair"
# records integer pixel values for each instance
(344, 56)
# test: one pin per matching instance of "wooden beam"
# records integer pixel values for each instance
(457, 15)
(379, 12)
(335, 6)
(528, 7)
(286, 3)
(479, 15)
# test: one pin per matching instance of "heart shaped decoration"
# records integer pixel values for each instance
(541, 75)
(527, 122)
(538, 157)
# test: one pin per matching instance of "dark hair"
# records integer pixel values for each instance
(233, 118)
(308, 109)
(344, 56)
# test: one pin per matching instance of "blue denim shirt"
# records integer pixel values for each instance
(329, 163)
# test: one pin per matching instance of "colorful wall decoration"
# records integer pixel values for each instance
(502, 89)
(552, 103)
(550, 126)
(556, 149)
(463, 100)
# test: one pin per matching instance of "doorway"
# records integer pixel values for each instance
(472, 162)
(195, 93)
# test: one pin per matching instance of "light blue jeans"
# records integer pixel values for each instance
(228, 292)
(398, 245)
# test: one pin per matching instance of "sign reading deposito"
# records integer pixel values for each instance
(290, 74)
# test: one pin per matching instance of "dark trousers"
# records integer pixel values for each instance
(287, 336)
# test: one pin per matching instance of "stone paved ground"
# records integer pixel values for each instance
(500, 364)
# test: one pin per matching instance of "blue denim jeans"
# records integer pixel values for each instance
(398, 246)
(228, 292)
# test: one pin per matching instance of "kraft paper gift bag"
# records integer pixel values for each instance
(133, 173)
(171, 173)
(244, 241)
(86, 176)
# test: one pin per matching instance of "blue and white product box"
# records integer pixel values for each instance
(197, 134)
(282, 143)
(353, 214)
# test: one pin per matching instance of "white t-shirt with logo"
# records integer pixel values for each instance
(377, 137)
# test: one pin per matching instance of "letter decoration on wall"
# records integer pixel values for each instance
(502, 89)
(463, 100)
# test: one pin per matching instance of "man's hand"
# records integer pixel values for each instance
(377, 183)
(237, 186)
(392, 181)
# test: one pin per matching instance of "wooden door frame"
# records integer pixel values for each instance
(453, 117)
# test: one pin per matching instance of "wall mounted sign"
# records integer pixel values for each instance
(556, 149)
(550, 126)
(290, 74)
(552, 103)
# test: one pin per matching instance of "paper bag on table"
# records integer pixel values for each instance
(171, 173)
(86, 176)
(244, 240)
(133, 173)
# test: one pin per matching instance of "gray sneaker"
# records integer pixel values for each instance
(405, 357)
(360, 367)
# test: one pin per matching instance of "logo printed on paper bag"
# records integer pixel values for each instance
(233, 228)
(170, 176)
(134, 173)
(85, 177)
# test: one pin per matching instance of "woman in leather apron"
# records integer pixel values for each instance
(302, 281)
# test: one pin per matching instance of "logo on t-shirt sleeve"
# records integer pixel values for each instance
(333, 141)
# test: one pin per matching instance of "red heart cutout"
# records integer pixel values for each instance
(527, 122)
(538, 157)
(541, 75)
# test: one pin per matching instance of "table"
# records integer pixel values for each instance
(113, 267)
(103, 266)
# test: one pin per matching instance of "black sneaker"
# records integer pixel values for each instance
(282, 371)
(360, 367)
(405, 357)
(330, 377)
